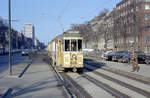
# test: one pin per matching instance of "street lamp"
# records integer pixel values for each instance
(9, 20)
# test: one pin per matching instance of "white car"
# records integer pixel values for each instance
(104, 55)
(25, 52)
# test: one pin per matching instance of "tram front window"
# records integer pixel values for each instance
(79, 45)
(73, 45)
(67, 45)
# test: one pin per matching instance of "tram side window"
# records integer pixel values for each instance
(73, 45)
(67, 45)
(79, 45)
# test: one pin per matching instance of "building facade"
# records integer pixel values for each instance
(132, 24)
(102, 31)
(29, 31)
(3, 33)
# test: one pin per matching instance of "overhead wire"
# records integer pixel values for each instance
(99, 6)
(87, 16)
(61, 14)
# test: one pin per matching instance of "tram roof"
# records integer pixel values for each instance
(65, 34)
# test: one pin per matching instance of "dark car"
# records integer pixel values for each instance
(6, 51)
(126, 58)
(118, 55)
(141, 57)
(1, 51)
(147, 60)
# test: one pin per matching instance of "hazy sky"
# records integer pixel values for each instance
(51, 16)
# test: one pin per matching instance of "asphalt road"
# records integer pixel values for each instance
(4, 59)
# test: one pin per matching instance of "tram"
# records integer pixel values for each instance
(66, 52)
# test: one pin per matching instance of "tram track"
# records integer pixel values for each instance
(75, 90)
(106, 87)
(68, 93)
(133, 88)
(78, 91)
(72, 89)
(132, 76)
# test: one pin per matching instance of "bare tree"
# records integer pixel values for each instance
(84, 29)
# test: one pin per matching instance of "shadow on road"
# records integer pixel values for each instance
(24, 70)
(34, 87)
(95, 65)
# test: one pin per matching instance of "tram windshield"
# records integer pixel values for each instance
(79, 45)
(73, 45)
(67, 45)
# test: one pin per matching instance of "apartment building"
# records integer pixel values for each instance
(132, 25)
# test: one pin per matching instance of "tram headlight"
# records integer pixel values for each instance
(74, 56)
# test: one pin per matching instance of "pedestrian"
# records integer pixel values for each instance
(134, 61)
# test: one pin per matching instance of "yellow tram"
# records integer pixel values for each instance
(66, 51)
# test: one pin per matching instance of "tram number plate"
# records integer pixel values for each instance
(74, 63)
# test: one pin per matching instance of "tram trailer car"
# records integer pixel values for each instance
(66, 51)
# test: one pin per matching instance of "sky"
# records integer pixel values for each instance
(50, 17)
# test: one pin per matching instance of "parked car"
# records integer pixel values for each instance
(147, 60)
(86, 52)
(109, 56)
(105, 54)
(1, 51)
(141, 57)
(6, 51)
(118, 55)
(25, 52)
(101, 54)
(126, 58)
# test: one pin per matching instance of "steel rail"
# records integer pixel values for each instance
(76, 88)
(129, 75)
(138, 90)
(106, 87)
(60, 78)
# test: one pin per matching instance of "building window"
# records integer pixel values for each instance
(147, 16)
(147, 28)
(147, 7)
(147, 39)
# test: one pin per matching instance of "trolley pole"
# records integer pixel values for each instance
(9, 20)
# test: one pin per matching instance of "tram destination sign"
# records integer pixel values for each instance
(74, 32)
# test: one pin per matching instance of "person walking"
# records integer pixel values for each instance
(134, 61)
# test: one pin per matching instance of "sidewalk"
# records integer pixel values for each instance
(16, 69)
(32, 80)
(144, 69)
